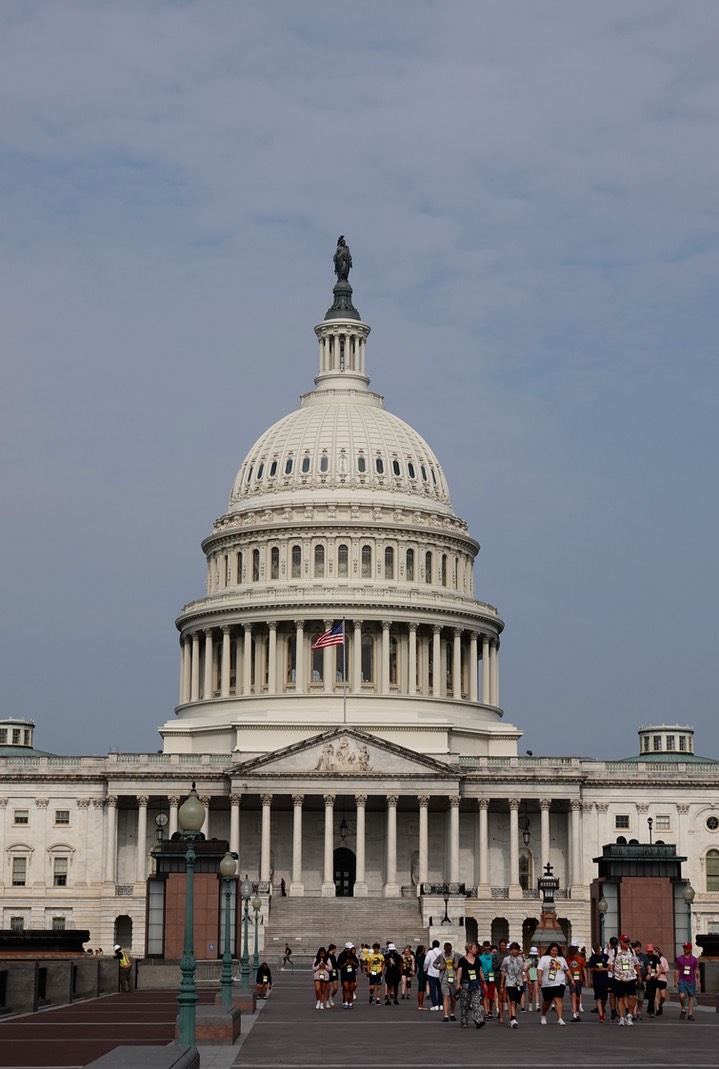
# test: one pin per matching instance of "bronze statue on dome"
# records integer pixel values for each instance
(342, 259)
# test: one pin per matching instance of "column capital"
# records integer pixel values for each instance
(226, 629)
(436, 629)
(514, 803)
(545, 803)
(386, 624)
(457, 632)
(205, 799)
(602, 807)
(247, 628)
(207, 631)
(3, 803)
(266, 799)
(587, 807)
(360, 800)
(642, 807)
(298, 800)
(358, 623)
(272, 625)
(483, 803)
(329, 800)
(83, 803)
(142, 800)
(392, 801)
(41, 803)
(111, 800)
(98, 803)
(454, 801)
(235, 799)
(174, 800)
(412, 625)
(299, 625)
(682, 807)
(575, 805)
(423, 801)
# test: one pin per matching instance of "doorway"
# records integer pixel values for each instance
(345, 870)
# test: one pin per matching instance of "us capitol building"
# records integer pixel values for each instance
(383, 768)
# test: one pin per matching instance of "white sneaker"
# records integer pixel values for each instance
(621, 1022)
(433, 1009)
(561, 1021)
(330, 1002)
(629, 1019)
(542, 1020)
(513, 1023)
(317, 1006)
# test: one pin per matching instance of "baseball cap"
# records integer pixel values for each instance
(391, 946)
(624, 939)
(688, 946)
(650, 948)
(349, 946)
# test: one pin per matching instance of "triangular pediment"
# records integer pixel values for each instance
(344, 752)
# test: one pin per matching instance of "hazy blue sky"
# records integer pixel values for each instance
(529, 190)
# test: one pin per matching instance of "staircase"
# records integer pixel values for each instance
(309, 923)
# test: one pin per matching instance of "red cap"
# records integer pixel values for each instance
(624, 939)
(688, 946)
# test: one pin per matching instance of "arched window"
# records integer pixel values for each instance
(343, 560)
(366, 562)
(379, 465)
(367, 659)
(712, 870)
(443, 570)
(324, 463)
(526, 881)
(318, 660)
(273, 468)
(389, 563)
(319, 561)
(393, 661)
(361, 465)
(292, 659)
(296, 562)
(239, 568)
(396, 468)
(249, 473)
(410, 565)
(288, 466)
(428, 567)
(255, 565)
(275, 562)
(305, 465)
(260, 471)
(410, 470)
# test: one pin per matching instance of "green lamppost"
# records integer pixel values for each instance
(246, 896)
(257, 906)
(688, 896)
(228, 868)
(602, 906)
(190, 818)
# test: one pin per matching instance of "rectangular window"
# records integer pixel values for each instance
(645, 743)
(58, 924)
(663, 823)
(3, 736)
(670, 742)
(682, 742)
(621, 820)
(17, 924)
(62, 816)
(657, 742)
(19, 871)
(59, 872)
(16, 735)
(21, 816)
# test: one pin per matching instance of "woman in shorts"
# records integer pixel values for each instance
(552, 972)
(321, 975)
(598, 966)
(407, 973)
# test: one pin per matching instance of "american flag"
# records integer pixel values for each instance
(334, 637)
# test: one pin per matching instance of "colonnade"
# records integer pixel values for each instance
(383, 657)
(451, 804)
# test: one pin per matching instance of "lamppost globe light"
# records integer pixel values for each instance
(191, 814)
(602, 905)
(257, 904)
(246, 889)
(228, 866)
(688, 894)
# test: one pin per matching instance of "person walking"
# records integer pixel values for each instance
(577, 979)
(419, 956)
(552, 974)
(263, 980)
(408, 971)
(348, 965)
(469, 985)
(321, 970)
(392, 975)
(598, 968)
(431, 967)
(513, 972)
(627, 973)
(686, 978)
(448, 981)
(375, 973)
(532, 982)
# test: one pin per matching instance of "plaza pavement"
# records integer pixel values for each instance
(288, 1032)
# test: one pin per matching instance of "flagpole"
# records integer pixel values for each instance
(344, 670)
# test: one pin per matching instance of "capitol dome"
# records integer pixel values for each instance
(340, 516)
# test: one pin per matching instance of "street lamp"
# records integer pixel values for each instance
(257, 906)
(650, 825)
(688, 896)
(602, 906)
(246, 896)
(228, 868)
(190, 818)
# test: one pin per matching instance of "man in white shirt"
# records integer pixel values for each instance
(431, 968)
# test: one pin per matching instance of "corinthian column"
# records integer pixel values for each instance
(483, 804)
(412, 662)
(110, 838)
(297, 887)
(235, 803)
(328, 884)
(544, 806)
(423, 861)
(360, 888)
(391, 887)
(265, 840)
(225, 669)
(454, 838)
(141, 845)
(515, 890)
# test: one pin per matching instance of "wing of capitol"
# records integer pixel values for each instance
(339, 712)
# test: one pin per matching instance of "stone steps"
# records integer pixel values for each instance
(307, 923)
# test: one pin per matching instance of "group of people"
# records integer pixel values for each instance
(500, 982)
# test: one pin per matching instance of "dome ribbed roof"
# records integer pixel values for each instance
(341, 440)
